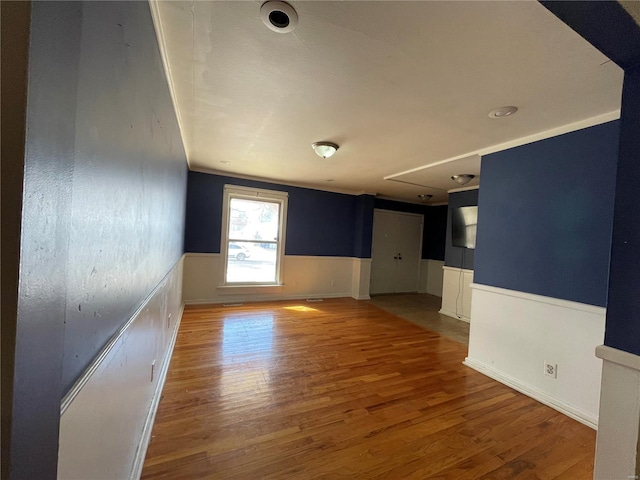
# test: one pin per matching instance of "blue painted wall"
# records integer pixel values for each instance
(545, 216)
(435, 224)
(456, 256)
(319, 223)
(103, 206)
(623, 320)
(364, 226)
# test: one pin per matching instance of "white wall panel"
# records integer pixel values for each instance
(304, 277)
(107, 417)
(457, 293)
(431, 277)
(361, 278)
(513, 334)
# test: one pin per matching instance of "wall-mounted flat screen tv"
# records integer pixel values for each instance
(464, 225)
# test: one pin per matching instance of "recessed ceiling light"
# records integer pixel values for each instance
(279, 16)
(325, 149)
(503, 112)
(463, 178)
(424, 197)
(225, 163)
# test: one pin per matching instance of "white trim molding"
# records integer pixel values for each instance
(553, 132)
(583, 307)
(619, 432)
(513, 335)
(106, 420)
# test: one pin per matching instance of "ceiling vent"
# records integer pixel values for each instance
(279, 16)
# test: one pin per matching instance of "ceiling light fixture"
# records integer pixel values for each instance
(279, 16)
(503, 112)
(424, 197)
(463, 178)
(325, 149)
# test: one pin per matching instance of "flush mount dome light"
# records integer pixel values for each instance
(424, 197)
(503, 112)
(463, 178)
(325, 149)
(279, 16)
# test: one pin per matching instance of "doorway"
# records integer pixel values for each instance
(396, 251)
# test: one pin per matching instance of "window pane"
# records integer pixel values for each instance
(253, 220)
(250, 262)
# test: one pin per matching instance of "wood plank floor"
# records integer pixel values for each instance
(343, 389)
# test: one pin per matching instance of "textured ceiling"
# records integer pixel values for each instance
(398, 85)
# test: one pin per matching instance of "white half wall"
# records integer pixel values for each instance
(303, 277)
(618, 433)
(360, 278)
(513, 335)
(106, 418)
(457, 293)
(431, 277)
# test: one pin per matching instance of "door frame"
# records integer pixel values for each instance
(396, 212)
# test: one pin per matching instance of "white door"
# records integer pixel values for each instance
(396, 251)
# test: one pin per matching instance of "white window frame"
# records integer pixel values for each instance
(248, 193)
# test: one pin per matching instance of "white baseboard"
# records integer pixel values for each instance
(513, 335)
(453, 315)
(106, 419)
(363, 297)
(568, 410)
(262, 298)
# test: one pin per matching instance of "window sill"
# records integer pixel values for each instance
(249, 289)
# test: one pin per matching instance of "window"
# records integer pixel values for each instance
(253, 233)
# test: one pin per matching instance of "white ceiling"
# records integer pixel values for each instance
(398, 85)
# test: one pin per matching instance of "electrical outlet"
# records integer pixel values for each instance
(153, 369)
(551, 369)
(333, 282)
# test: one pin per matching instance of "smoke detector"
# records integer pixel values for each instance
(279, 16)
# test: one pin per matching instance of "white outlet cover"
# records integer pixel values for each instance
(551, 370)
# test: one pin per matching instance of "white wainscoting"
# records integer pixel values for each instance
(431, 277)
(513, 334)
(456, 293)
(303, 277)
(106, 418)
(360, 278)
(618, 432)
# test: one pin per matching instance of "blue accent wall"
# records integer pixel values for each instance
(545, 216)
(459, 257)
(364, 226)
(435, 224)
(435, 233)
(319, 223)
(623, 320)
(103, 205)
